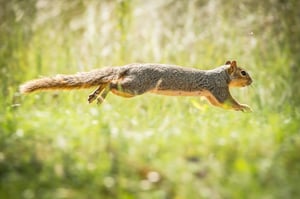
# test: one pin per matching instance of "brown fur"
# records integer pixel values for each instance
(137, 79)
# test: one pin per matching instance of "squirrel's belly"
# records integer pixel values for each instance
(179, 93)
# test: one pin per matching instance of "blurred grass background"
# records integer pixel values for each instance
(55, 145)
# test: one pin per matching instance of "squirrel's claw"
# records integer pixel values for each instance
(245, 108)
(92, 97)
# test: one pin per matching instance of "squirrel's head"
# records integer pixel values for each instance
(238, 76)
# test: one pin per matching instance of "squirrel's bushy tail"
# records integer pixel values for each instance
(79, 80)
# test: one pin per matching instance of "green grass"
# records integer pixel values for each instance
(56, 145)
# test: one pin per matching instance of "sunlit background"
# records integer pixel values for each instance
(56, 145)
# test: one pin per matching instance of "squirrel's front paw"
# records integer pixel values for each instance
(245, 108)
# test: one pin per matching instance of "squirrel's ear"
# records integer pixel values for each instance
(233, 64)
(232, 67)
(227, 63)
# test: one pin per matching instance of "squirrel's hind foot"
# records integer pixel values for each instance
(92, 97)
(102, 91)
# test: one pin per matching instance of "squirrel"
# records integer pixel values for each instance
(136, 79)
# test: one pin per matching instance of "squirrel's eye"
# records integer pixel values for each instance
(243, 73)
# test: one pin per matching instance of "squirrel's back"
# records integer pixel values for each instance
(164, 76)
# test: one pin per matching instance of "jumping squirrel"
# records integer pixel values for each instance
(136, 79)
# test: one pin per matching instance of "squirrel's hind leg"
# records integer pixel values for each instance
(103, 95)
(94, 95)
(123, 88)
